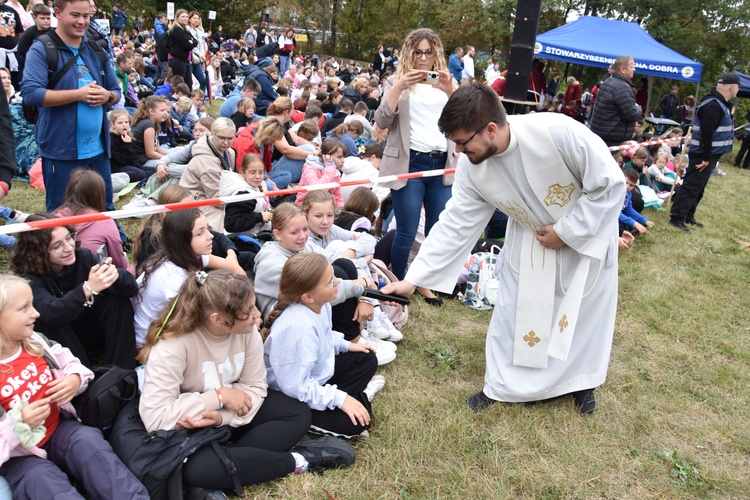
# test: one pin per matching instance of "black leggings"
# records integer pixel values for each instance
(352, 372)
(183, 69)
(343, 313)
(259, 450)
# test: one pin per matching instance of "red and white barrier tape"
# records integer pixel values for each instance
(674, 141)
(156, 209)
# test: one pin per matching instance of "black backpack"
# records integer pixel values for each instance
(52, 45)
(112, 388)
(156, 458)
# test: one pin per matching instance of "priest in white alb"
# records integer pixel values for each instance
(554, 318)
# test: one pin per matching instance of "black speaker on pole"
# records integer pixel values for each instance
(522, 48)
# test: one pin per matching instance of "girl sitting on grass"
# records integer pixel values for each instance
(152, 112)
(291, 232)
(252, 215)
(122, 151)
(204, 367)
(185, 247)
(42, 440)
(315, 364)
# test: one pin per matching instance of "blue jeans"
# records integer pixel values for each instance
(294, 167)
(200, 76)
(407, 206)
(284, 63)
(280, 178)
(56, 174)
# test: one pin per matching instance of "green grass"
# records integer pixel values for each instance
(671, 420)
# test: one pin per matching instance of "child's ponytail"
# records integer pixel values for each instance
(301, 274)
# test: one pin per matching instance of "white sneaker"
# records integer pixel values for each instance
(377, 328)
(394, 335)
(368, 339)
(382, 352)
(374, 386)
(139, 201)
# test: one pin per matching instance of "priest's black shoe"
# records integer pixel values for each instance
(585, 401)
(694, 222)
(480, 401)
(679, 225)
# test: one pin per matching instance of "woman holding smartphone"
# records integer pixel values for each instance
(83, 305)
(411, 108)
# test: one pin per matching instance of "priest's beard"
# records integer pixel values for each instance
(477, 158)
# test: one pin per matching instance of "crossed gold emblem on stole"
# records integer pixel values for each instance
(532, 339)
(559, 195)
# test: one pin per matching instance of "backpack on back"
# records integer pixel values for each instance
(156, 458)
(52, 45)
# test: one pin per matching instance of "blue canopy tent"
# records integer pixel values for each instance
(595, 41)
(744, 85)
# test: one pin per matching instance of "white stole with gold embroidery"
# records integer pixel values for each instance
(540, 331)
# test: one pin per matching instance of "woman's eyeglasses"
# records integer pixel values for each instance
(70, 240)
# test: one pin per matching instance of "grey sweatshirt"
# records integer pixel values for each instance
(269, 263)
(300, 356)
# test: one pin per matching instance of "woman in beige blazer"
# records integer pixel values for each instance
(411, 108)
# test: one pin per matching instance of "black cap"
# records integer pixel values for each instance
(729, 79)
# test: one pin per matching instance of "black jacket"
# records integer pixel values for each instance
(615, 111)
(7, 144)
(241, 216)
(180, 43)
(710, 117)
(60, 299)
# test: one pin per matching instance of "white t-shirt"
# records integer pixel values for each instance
(425, 105)
(468, 66)
(163, 285)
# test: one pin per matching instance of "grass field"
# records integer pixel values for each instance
(671, 420)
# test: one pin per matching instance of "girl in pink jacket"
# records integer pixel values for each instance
(324, 169)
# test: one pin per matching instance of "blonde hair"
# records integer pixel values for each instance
(301, 274)
(184, 104)
(284, 214)
(406, 63)
(352, 126)
(317, 196)
(113, 115)
(245, 103)
(270, 129)
(7, 282)
(279, 106)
